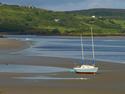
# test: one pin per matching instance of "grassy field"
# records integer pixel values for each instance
(30, 20)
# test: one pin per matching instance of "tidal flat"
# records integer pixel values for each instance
(17, 75)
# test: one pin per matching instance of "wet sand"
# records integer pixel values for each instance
(11, 45)
(109, 80)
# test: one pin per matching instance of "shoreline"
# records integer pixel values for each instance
(85, 34)
(67, 36)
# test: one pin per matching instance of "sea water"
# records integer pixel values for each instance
(15, 68)
(106, 48)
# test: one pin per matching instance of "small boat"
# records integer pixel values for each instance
(86, 68)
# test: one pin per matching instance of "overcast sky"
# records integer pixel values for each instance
(67, 5)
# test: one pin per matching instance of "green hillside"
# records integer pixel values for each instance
(116, 13)
(30, 20)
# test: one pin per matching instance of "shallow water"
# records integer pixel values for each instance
(106, 49)
(13, 68)
(48, 78)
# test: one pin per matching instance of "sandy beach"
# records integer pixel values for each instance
(109, 80)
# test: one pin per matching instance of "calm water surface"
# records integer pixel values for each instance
(13, 68)
(106, 49)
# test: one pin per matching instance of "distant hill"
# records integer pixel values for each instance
(30, 20)
(104, 12)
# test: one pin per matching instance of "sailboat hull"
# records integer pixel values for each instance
(86, 69)
(86, 72)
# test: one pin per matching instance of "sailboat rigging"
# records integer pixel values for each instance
(86, 68)
(82, 56)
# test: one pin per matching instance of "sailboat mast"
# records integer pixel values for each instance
(82, 49)
(93, 48)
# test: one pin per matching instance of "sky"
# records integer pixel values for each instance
(68, 5)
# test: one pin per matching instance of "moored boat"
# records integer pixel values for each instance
(86, 68)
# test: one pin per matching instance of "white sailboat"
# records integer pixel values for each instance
(86, 68)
